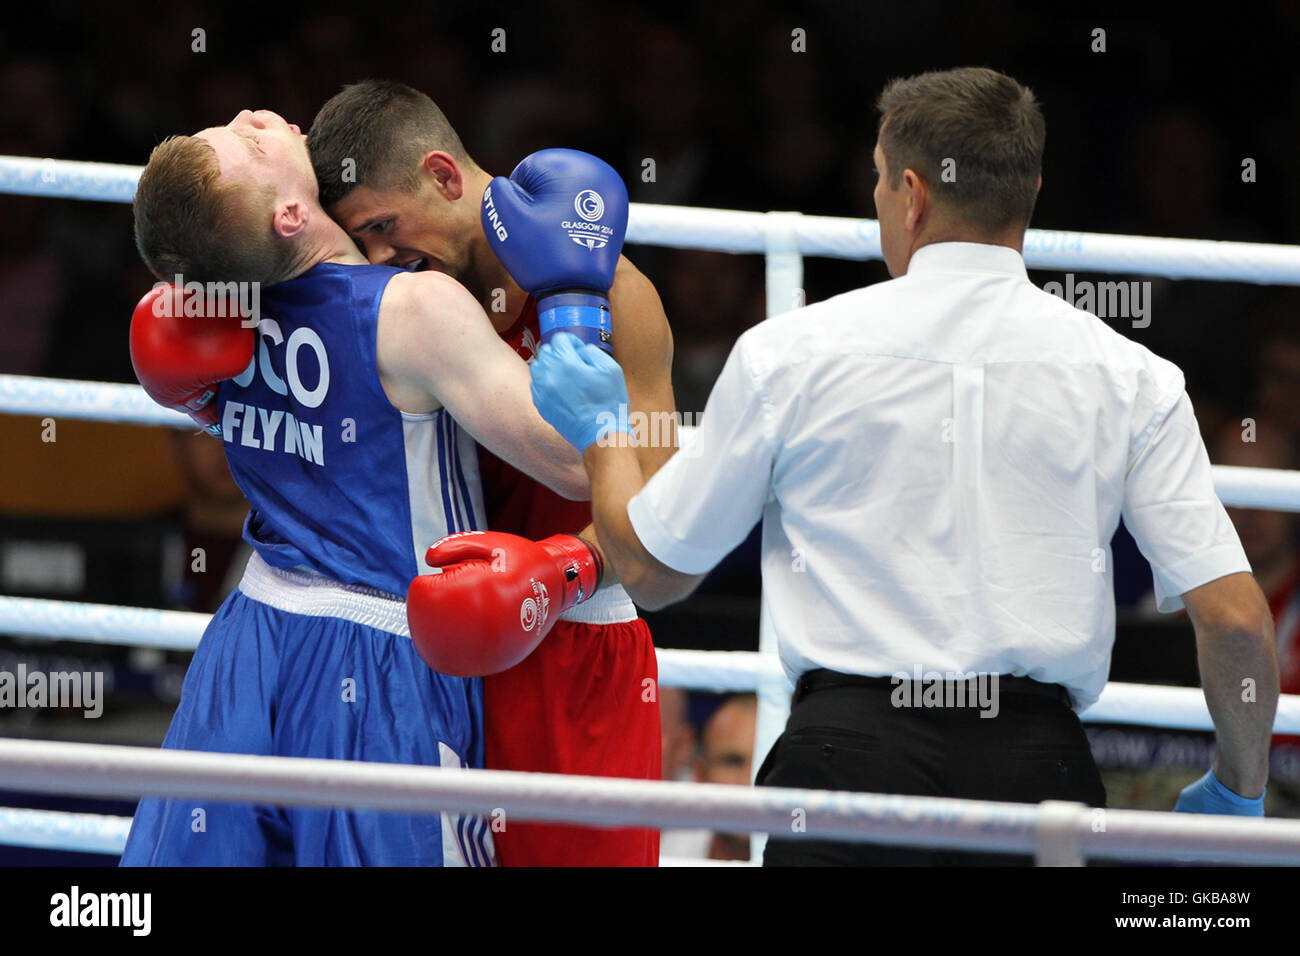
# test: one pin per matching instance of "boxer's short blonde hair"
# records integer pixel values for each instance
(190, 222)
(981, 127)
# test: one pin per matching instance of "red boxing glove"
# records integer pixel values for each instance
(498, 595)
(180, 358)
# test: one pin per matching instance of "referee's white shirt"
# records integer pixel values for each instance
(940, 462)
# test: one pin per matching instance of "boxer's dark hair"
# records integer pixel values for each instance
(986, 123)
(190, 222)
(375, 133)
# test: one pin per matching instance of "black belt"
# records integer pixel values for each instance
(822, 679)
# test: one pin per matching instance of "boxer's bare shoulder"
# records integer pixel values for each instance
(436, 348)
(419, 310)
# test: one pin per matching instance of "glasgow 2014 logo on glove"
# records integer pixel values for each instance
(534, 610)
(591, 207)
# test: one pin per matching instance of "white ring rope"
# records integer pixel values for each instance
(96, 401)
(1273, 488)
(1148, 705)
(68, 179)
(101, 623)
(725, 230)
(103, 833)
(127, 772)
(60, 830)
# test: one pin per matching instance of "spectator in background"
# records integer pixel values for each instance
(679, 738)
(714, 296)
(529, 113)
(207, 554)
(800, 157)
(1180, 172)
(725, 756)
(34, 120)
(1277, 363)
(667, 106)
(1177, 158)
(1269, 537)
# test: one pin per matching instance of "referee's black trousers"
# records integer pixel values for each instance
(845, 733)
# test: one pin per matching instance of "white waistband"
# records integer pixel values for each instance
(303, 592)
(609, 605)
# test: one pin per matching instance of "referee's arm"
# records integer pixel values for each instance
(664, 535)
(1236, 654)
(1175, 516)
(615, 479)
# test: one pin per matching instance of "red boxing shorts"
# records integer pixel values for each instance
(585, 702)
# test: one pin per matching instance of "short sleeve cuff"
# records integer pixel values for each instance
(661, 543)
(1171, 583)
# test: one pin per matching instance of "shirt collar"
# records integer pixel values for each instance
(967, 257)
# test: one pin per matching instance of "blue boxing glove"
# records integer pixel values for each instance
(579, 390)
(1208, 795)
(557, 225)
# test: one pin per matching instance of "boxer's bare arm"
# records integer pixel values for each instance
(437, 348)
(643, 345)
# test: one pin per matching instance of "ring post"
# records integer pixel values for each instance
(784, 271)
(1058, 838)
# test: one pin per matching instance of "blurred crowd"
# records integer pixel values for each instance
(738, 106)
(735, 105)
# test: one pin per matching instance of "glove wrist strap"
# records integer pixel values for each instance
(583, 568)
(584, 314)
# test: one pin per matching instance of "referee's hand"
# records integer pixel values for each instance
(579, 390)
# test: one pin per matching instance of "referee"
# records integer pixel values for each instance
(940, 462)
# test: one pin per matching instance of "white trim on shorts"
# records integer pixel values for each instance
(609, 605)
(305, 592)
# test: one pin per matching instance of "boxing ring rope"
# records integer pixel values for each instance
(1146, 705)
(784, 238)
(724, 230)
(99, 833)
(128, 404)
(1055, 832)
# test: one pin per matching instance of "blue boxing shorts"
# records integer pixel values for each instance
(296, 665)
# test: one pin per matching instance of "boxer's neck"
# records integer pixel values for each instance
(325, 241)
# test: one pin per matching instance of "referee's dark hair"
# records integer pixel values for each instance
(980, 127)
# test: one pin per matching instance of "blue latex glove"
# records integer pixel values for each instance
(579, 390)
(1208, 795)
